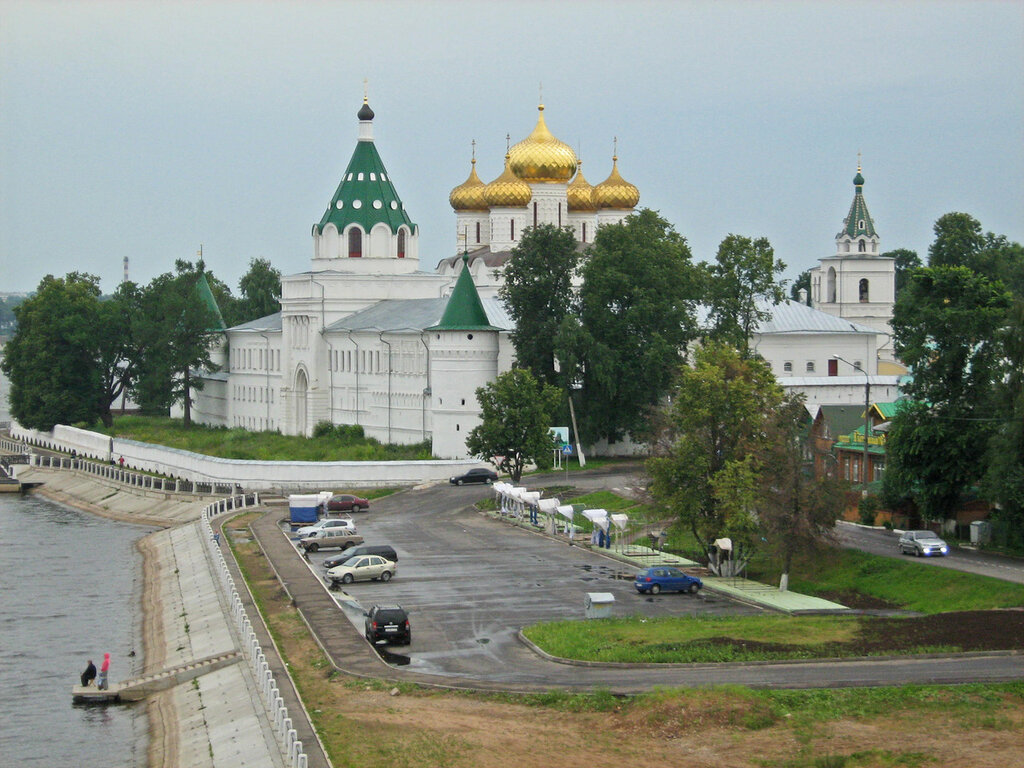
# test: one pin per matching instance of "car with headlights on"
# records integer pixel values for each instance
(665, 578)
(361, 568)
(922, 544)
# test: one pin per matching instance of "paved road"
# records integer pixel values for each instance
(471, 582)
(881, 542)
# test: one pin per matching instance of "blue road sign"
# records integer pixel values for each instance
(567, 450)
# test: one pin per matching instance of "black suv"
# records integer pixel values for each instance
(389, 623)
(478, 475)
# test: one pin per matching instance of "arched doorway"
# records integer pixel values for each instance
(301, 385)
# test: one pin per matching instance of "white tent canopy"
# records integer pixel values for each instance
(548, 505)
(566, 511)
(620, 520)
(598, 517)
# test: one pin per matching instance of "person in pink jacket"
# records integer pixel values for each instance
(101, 681)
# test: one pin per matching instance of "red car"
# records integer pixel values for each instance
(346, 502)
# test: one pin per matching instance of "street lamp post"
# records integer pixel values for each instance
(867, 417)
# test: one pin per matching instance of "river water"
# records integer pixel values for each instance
(70, 590)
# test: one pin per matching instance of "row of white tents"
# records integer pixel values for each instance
(520, 503)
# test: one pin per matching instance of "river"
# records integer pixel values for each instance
(71, 585)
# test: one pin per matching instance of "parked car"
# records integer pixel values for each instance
(389, 623)
(384, 550)
(922, 544)
(665, 578)
(330, 538)
(361, 568)
(346, 502)
(327, 522)
(478, 475)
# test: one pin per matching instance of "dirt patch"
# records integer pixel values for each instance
(856, 600)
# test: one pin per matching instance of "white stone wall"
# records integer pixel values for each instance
(551, 203)
(330, 248)
(501, 231)
(815, 349)
(577, 220)
(460, 362)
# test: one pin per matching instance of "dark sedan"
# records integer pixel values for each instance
(478, 475)
(346, 502)
(665, 578)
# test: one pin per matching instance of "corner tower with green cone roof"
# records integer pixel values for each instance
(463, 357)
(858, 283)
(366, 227)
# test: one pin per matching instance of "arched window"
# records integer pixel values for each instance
(478, 231)
(787, 366)
(355, 243)
(862, 246)
(512, 229)
(535, 214)
(830, 286)
(559, 215)
(584, 231)
(401, 243)
(863, 288)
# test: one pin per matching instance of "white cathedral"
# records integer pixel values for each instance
(366, 338)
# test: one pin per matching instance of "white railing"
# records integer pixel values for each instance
(277, 712)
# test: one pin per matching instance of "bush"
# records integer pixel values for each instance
(867, 508)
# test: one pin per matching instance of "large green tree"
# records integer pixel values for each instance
(743, 287)
(945, 326)
(179, 328)
(537, 291)
(260, 289)
(708, 472)
(958, 240)
(634, 318)
(52, 361)
(905, 262)
(514, 431)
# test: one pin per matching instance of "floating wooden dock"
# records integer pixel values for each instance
(140, 687)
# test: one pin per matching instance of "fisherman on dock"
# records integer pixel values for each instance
(89, 675)
(101, 682)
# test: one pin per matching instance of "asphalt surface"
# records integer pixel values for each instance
(879, 541)
(471, 582)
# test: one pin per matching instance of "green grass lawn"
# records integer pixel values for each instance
(903, 583)
(262, 446)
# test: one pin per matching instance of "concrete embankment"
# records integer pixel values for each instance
(217, 719)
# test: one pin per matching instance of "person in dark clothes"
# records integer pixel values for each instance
(89, 675)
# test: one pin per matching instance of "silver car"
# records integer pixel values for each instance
(361, 568)
(922, 544)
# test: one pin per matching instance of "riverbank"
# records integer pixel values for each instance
(217, 719)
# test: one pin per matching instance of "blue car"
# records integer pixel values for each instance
(665, 578)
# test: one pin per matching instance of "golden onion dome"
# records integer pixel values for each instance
(469, 195)
(508, 190)
(541, 157)
(615, 191)
(580, 193)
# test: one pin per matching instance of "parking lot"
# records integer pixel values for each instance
(470, 582)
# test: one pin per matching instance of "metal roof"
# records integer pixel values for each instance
(414, 315)
(268, 323)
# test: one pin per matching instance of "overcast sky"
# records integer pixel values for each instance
(144, 129)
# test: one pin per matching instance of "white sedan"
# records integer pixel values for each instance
(327, 522)
(361, 568)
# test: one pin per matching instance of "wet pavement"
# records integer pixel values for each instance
(471, 582)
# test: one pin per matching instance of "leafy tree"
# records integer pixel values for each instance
(177, 336)
(515, 422)
(635, 318)
(796, 512)
(743, 280)
(1004, 478)
(117, 347)
(905, 262)
(803, 280)
(958, 239)
(945, 325)
(261, 291)
(708, 477)
(538, 294)
(52, 359)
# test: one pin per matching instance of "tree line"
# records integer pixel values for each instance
(655, 347)
(76, 353)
